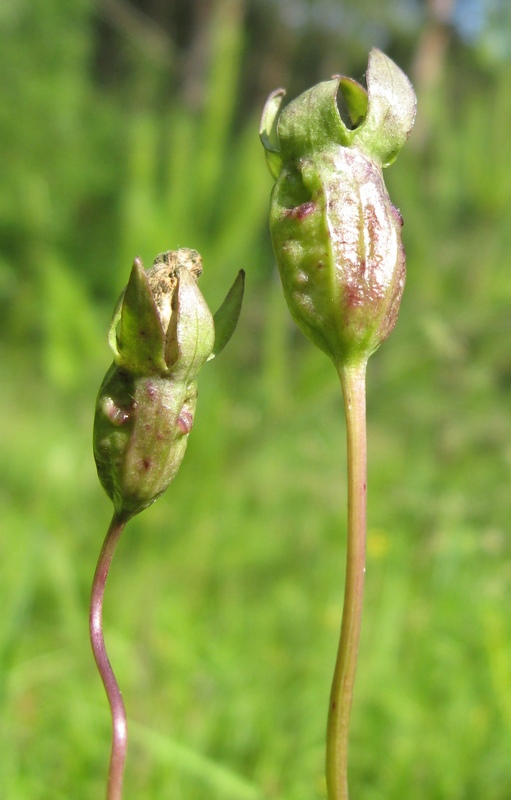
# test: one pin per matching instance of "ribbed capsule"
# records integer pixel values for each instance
(161, 335)
(339, 252)
(335, 233)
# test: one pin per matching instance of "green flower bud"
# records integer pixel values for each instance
(162, 333)
(335, 233)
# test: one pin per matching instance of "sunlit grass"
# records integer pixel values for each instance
(224, 602)
(223, 606)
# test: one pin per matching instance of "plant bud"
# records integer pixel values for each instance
(162, 333)
(335, 233)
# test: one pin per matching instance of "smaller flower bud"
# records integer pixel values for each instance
(162, 333)
(335, 233)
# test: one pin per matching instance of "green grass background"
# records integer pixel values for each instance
(223, 605)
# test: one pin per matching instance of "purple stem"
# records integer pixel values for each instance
(119, 727)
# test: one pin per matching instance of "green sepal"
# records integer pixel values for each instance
(312, 122)
(140, 338)
(390, 112)
(227, 316)
(268, 131)
(195, 330)
(382, 117)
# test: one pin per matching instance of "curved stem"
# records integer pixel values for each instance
(341, 697)
(119, 727)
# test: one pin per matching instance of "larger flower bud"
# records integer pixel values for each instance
(335, 233)
(162, 333)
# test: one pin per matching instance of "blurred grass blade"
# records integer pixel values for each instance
(215, 776)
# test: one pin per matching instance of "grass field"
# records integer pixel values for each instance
(224, 602)
(223, 606)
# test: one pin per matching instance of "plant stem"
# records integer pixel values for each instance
(341, 696)
(119, 727)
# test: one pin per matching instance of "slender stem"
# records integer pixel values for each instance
(341, 697)
(119, 727)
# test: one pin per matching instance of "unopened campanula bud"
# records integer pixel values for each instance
(335, 233)
(162, 333)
